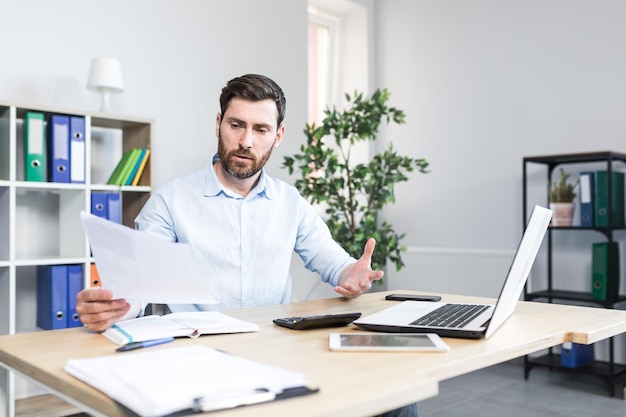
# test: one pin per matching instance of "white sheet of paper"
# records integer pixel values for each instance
(140, 267)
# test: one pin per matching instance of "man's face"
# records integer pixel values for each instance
(247, 134)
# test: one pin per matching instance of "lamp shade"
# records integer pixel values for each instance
(105, 74)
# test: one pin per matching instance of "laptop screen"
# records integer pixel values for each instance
(520, 267)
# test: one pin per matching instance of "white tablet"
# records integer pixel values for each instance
(398, 342)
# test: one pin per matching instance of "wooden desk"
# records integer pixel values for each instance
(351, 383)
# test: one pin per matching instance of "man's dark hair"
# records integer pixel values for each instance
(254, 87)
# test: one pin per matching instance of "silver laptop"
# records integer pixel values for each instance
(469, 321)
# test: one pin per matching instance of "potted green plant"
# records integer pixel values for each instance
(562, 194)
(353, 194)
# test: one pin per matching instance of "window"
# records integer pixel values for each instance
(320, 65)
(339, 52)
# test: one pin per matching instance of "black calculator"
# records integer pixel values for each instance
(317, 322)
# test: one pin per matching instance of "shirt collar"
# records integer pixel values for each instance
(214, 187)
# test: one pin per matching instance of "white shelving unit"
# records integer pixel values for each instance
(39, 221)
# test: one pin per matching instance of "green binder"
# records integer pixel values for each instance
(122, 169)
(600, 274)
(133, 167)
(128, 167)
(34, 147)
(602, 199)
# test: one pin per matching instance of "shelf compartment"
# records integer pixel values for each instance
(20, 152)
(26, 299)
(572, 296)
(49, 225)
(554, 160)
(599, 369)
(132, 203)
(109, 139)
(106, 151)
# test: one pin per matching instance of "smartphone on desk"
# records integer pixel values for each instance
(412, 297)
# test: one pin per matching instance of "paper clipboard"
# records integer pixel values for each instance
(196, 377)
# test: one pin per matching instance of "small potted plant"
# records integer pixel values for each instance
(562, 200)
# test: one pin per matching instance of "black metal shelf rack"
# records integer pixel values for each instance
(609, 371)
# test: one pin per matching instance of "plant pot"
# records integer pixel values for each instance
(562, 214)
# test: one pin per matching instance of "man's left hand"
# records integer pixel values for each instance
(358, 277)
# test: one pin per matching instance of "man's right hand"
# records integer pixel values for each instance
(97, 309)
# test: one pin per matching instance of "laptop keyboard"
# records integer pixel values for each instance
(451, 315)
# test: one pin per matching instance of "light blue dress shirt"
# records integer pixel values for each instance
(243, 246)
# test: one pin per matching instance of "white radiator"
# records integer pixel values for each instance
(478, 272)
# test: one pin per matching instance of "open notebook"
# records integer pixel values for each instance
(189, 324)
(471, 321)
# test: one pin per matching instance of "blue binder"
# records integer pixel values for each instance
(574, 355)
(74, 286)
(114, 207)
(59, 148)
(99, 204)
(77, 150)
(52, 297)
(587, 205)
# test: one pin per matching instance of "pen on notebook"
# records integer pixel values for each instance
(147, 343)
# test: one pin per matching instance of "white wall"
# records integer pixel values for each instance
(485, 83)
(175, 56)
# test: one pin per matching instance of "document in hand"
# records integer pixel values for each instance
(141, 267)
(192, 324)
(195, 378)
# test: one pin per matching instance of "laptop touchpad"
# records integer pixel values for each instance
(408, 311)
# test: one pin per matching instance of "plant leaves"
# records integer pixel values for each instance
(354, 194)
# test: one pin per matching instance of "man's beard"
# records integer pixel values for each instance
(238, 169)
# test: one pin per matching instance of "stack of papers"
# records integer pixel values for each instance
(141, 267)
(194, 378)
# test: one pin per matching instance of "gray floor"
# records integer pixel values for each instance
(502, 391)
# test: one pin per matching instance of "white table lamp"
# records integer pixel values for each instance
(105, 76)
